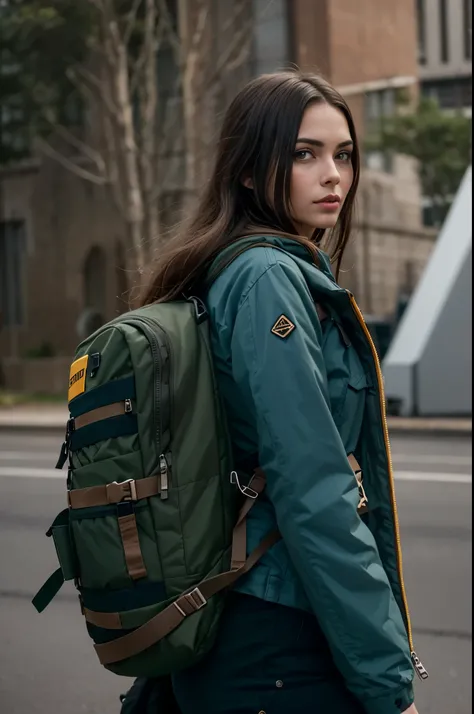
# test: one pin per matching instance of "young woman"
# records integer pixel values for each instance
(321, 623)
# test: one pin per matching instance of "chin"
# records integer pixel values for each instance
(327, 221)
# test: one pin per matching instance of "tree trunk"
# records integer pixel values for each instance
(191, 54)
(149, 132)
(133, 200)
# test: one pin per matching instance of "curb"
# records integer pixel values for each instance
(430, 427)
(39, 427)
(396, 426)
(27, 420)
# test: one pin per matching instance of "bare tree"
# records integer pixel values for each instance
(133, 132)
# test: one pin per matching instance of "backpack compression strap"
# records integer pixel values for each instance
(186, 604)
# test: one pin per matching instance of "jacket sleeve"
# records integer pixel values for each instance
(313, 490)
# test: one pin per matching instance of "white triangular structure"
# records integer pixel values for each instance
(428, 364)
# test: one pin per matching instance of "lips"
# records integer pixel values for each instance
(331, 198)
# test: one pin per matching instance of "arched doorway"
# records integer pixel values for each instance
(94, 279)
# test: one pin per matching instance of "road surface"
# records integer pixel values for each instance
(47, 663)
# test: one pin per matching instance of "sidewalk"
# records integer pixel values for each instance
(34, 417)
(53, 418)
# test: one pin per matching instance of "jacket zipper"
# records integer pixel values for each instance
(418, 666)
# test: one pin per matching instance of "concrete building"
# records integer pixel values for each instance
(62, 250)
(368, 50)
(445, 51)
(428, 368)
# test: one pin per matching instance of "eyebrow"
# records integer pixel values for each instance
(316, 142)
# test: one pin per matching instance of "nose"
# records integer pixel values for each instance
(331, 176)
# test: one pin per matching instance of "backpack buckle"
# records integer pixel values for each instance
(245, 490)
(119, 491)
(196, 599)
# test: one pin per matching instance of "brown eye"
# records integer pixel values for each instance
(302, 155)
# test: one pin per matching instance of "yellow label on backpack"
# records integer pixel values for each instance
(77, 377)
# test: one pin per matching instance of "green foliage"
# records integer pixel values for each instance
(42, 351)
(441, 143)
(39, 42)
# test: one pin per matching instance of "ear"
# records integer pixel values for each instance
(247, 182)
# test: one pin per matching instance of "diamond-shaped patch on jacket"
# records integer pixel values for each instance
(283, 327)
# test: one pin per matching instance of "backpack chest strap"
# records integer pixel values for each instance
(115, 492)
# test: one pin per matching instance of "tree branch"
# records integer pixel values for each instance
(148, 111)
(114, 178)
(239, 46)
(90, 79)
(99, 5)
(170, 31)
(132, 16)
(87, 151)
(50, 151)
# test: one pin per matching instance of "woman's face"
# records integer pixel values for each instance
(322, 171)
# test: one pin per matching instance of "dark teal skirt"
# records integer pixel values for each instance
(268, 659)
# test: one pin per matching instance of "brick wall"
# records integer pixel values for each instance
(64, 218)
(383, 263)
(352, 42)
(371, 40)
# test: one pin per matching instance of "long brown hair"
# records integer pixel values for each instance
(257, 140)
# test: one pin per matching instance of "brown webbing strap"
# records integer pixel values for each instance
(110, 410)
(131, 546)
(107, 620)
(166, 621)
(115, 492)
(239, 536)
(322, 314)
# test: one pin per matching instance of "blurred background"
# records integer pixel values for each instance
(108, 120)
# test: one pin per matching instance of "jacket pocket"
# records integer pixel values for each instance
(345, 390)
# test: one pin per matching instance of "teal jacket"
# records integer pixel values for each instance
(300, 396)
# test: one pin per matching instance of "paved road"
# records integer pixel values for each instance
(47, 663)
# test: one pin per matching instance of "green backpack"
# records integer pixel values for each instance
(155, 529)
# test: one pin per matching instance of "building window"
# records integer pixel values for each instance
(453, 93)
(95, 274)
(421, 28)
(444, 30)
(467, 29)
(378, 106)
(12, 267)
(271, 35)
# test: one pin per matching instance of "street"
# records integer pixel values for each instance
(47, 663)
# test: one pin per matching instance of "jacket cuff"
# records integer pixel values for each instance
(396, 703)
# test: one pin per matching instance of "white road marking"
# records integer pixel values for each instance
(433, 477)
(28, 456)
(428, 459)
(20, 472)
(433, 459)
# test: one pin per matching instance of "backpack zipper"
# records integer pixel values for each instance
(419, 668)
(164, 480)
(149, 328)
